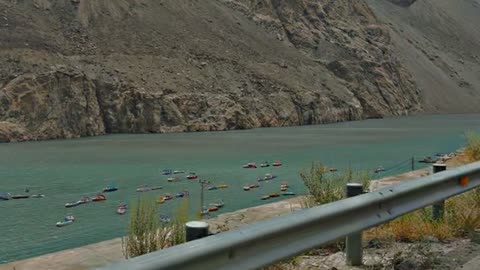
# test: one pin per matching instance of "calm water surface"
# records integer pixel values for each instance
(66, 170)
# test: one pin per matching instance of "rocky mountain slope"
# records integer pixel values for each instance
(89, 67)
(438, 41)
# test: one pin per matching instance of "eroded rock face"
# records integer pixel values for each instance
(173, 66)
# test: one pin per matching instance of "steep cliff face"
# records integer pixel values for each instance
(82, 68)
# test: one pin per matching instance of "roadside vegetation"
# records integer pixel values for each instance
(326, 187)
(472, 149)
(147, 232)
(461, 217)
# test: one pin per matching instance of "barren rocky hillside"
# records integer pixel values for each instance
(89, 67)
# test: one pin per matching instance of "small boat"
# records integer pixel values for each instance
(161, 200)
(156, 188)
(167, 172)
(246, 188)
(5, 196)
(266, 197)
(288, 193)
(212, 208)
(63, 223)
(99, 197)
(85, 200)
(333, 169)
(269, 176)
(254, 186)
(69, 219)
(144, 189)
(110, 188)
(277, 164)
(122, 209)
(180, 195)
(284, 187)
(428, 160)
(178, 172)
(192, 176)
(379, 169)
(37, 196)
(250, 165)
(73, 204)
(167, 197)
(20, 196)
(173, 179)
(274, 195)
(222, 186)
(265, 164)
(165, 218)
(204, 211)
(212, 188)
(218, 204)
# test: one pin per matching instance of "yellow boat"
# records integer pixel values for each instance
(161, 200)
(222, 186)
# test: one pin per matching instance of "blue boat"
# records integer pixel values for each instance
(5, 196)
(167, 172)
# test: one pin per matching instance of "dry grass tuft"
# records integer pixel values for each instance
(472, 149)
(462, 217)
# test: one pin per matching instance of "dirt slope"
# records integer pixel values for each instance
(439, 43)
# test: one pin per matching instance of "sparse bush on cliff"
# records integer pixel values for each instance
(326, 187)
(472, 149)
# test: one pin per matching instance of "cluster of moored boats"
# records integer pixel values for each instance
(5, 196)
(265, 164)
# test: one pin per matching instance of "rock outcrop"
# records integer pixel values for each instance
(84, 68)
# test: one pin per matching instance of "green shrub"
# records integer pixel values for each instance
(326, 187)
(147, 234)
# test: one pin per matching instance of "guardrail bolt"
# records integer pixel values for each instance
(438, 207)
(353, 241)
(196, 230)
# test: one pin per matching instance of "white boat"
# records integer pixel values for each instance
(69, 219)
(37, 196)
(64, 223)
(178, 171)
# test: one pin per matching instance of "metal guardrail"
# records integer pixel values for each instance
(262, 243)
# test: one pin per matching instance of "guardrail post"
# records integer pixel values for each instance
(438, 207)
(196, 230)
(353, 242)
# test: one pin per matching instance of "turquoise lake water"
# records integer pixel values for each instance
(66, 170)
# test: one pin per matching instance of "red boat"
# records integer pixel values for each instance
(212, 209)
(192, 176)
(250, 166)
(277, 164)
(99, 197)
